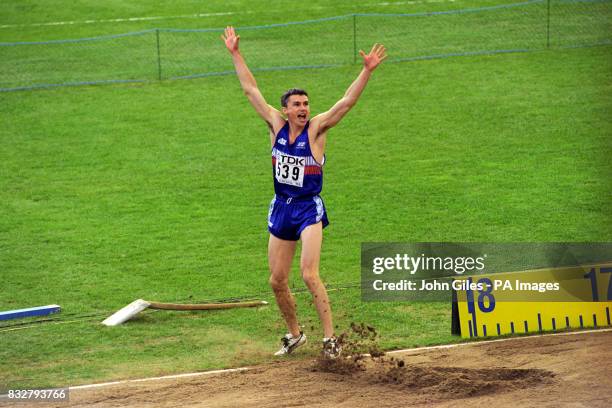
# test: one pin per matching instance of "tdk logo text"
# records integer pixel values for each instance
(298, 161)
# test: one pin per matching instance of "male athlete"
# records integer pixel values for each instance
(296, 211)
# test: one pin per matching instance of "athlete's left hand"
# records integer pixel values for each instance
(374, 58)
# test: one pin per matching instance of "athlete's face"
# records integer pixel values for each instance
(297, 110)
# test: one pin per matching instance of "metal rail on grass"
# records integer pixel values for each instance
(319, 43)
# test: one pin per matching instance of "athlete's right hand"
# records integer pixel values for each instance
(231, 39)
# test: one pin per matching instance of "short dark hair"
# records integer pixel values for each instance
(292, 91)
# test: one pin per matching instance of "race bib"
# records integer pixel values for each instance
(290, 169)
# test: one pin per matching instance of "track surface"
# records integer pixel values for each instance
(550, 371)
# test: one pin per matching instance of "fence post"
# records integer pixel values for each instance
(159, 70)
(548, 24)
(354, 38)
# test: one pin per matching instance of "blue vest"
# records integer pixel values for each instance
(295, 171)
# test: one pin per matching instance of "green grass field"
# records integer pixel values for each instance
(37, 20)
(160, 191)
(154, 53)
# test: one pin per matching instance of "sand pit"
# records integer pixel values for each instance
(550, 371)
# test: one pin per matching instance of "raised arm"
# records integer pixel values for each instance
(329, 119)
(268, 113)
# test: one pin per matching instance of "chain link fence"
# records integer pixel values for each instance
(162, 54)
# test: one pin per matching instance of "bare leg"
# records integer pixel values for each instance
(280, 256)
(312, 237)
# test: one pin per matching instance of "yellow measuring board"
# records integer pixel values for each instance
(535, 301)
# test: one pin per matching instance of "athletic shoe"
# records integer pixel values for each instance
(331, 348)
(290, 343)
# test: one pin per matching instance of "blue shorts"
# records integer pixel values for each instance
(287, 217)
